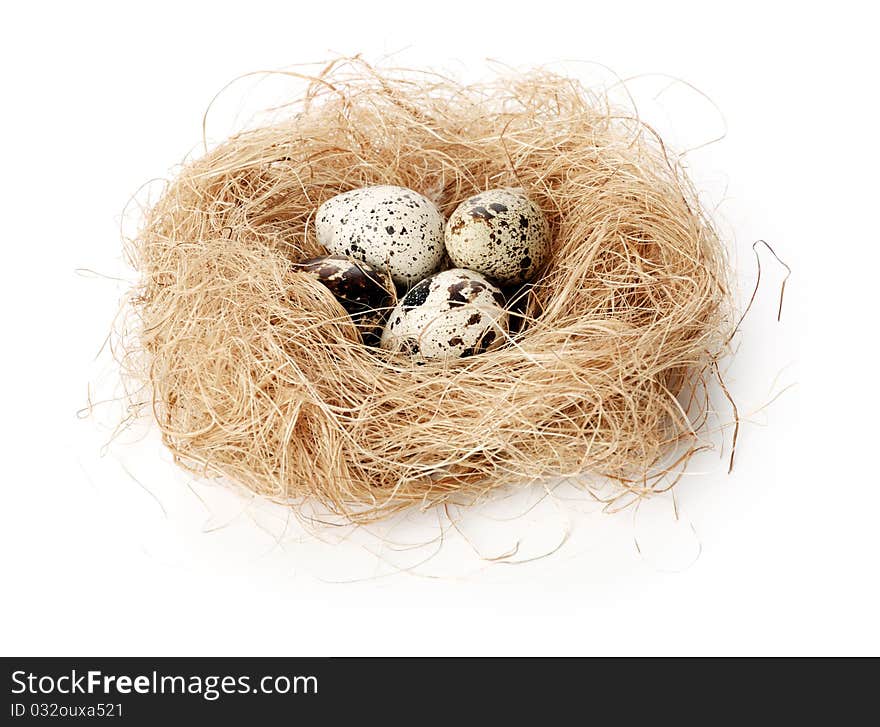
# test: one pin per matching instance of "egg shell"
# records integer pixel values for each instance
(500, 233)
(366, 292)
(452, 314)
(389, 227)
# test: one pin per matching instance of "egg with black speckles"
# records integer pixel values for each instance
(366, 292)
(452, 314)
(389, 227)
(500, 233)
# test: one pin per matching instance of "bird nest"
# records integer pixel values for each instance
(257, 374)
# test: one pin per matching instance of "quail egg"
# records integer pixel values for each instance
(367, 293)
(500, 233)
(452, 314)
(393, 228)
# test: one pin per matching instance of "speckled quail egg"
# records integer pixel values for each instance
(389, 227)
(366, 292)
(500, 233)
(452, 314)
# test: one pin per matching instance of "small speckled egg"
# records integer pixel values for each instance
(367, 293)
(452, 314)
(500, 233)
(392, 228)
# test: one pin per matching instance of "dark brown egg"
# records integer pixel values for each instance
(366, 292)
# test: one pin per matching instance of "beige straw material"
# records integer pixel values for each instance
(257, 375)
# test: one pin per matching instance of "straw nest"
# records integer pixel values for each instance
(257, 375)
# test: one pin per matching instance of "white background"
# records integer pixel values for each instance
(113, 551)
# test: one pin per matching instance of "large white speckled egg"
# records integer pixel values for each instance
(392, 228)
(452, 314)
(500, 233)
